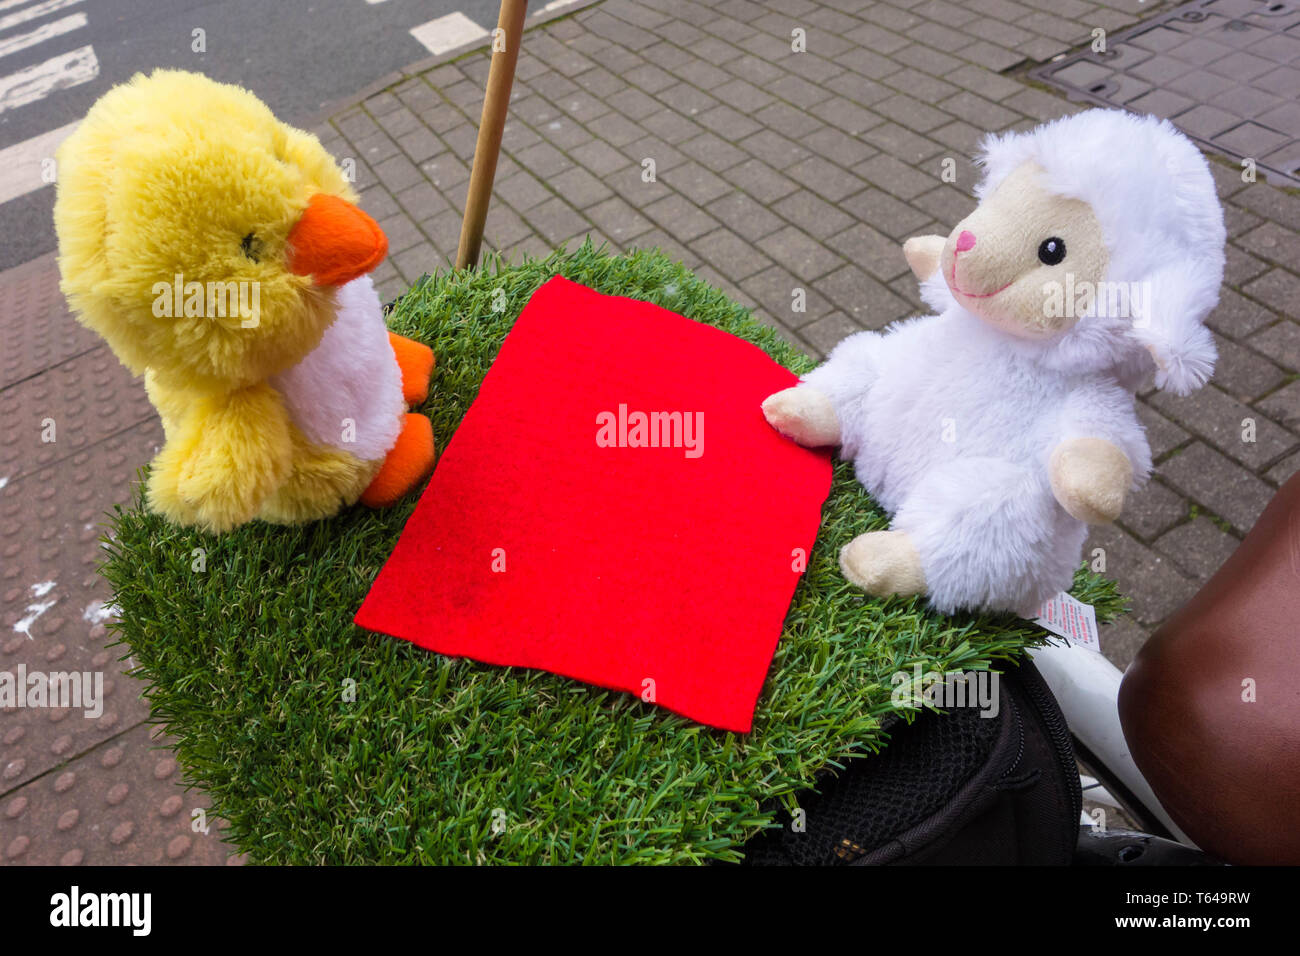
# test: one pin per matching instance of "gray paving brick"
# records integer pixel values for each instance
(1280, 342)
(728, 123)
(1219, 483)
(733, 256)
(374, 149)
(687, 100)
(1238, 316)
(812, 214)
(680, 217)
(879, 254)
(884, 212)
(901, 143)
(839, 147)
(446, 172)
(869, 303)
(1243, 373)
(896, 178)
(1283, 405)
(696, 182)
(1281, 472)
(975, 109)
(522, 191)
(799, 253)
(600, 157)
(745, 216)
(761, 181)
(580, 187)
(774, 289)
(911, 113)
(397, 173)
(1121, 639)
(788, 120)
(401, 231)
(713, 152)
(825, 178)
(991, 56)
(1154, 584)
(556, 220)
(846, 116)
(1234, 428)
(416, 261)
(827, 332)
(420, 144)
(774, 149)
(926, 59)
(618, 219)
(1277, 289)
(1152, 510)
(752, 70)
(1198, 546)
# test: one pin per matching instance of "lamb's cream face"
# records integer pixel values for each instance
(1009, 260)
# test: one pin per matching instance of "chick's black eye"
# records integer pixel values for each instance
(251, 247)
(1051, 251)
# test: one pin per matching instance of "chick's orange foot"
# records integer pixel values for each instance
(416, 360)
(408, 463)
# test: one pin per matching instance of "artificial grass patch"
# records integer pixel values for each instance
(322, 743)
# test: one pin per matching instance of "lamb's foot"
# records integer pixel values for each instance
(883, 563)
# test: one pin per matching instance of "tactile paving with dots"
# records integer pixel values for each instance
(65, 409)
(74, 788)
(1226, 72)
(52, 599)
(119, 803)
(36, 330)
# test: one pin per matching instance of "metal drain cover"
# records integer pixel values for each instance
(1226, 72)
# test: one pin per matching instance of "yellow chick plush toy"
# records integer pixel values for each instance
(221, 254)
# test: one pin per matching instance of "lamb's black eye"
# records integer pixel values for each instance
(1051, 251)
(251, 247)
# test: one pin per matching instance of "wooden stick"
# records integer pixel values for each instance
(491, 125)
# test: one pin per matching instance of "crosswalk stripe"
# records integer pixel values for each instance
(57, 73)
(42, 33)
(34, 13)
(22, 162)
(447, 33)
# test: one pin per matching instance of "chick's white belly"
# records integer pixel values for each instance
(347, 392)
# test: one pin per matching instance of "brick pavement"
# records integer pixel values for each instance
(774, 170)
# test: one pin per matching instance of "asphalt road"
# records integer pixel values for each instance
(298, 55)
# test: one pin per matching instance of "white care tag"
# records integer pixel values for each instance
(1072, 619)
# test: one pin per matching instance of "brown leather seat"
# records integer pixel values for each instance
(1228, 769)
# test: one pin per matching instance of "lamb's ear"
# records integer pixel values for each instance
(922, 254)
(1172, 304)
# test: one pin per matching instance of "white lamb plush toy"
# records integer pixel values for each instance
(997, 429)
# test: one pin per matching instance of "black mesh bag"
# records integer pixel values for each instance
(950, 788)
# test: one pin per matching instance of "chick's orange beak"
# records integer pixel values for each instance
(335, 242)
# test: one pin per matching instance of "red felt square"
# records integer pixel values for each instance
(555, 535)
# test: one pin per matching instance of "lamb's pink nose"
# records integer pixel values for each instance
(965, 240)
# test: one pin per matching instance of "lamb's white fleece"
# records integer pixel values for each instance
(950, 422)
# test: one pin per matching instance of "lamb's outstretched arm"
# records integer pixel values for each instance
(1100, 455)
(822, 408)
(804, 415)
